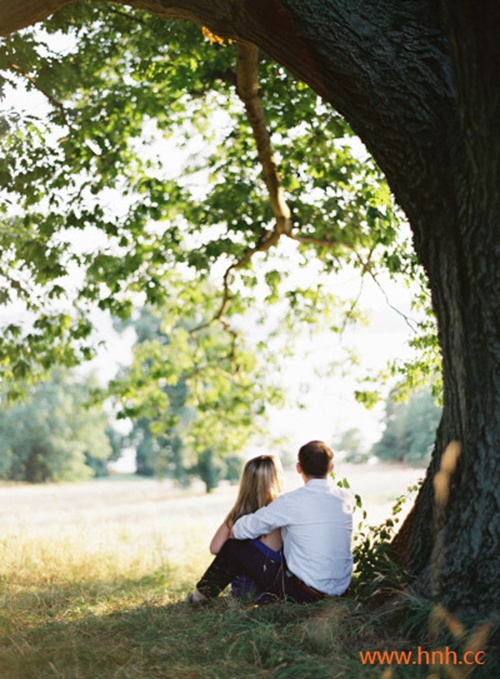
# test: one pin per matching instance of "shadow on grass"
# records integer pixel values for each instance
(140, 629)
(136, 630)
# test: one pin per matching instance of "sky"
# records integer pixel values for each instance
(329, 406)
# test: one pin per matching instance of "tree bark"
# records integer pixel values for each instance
(418, 81)
(454, 549)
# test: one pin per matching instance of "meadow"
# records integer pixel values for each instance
(93, 578)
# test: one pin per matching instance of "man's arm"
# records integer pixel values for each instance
(263, 521)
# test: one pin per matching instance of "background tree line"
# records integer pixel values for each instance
(58, 433)
(54, 434)
(409, 429)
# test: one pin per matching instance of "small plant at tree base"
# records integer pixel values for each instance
(376, 574)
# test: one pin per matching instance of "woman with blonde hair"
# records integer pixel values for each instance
(261, 482)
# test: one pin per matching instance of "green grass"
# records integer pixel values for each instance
(92, 583)
(127, 630)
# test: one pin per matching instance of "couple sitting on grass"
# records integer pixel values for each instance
(294, 546)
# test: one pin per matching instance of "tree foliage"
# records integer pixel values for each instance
(53, 435)
(195, 400)
(92, 191)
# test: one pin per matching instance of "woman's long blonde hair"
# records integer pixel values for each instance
(261, 482)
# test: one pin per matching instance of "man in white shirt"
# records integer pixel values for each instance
(316, 526)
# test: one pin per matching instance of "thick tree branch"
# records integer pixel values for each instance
(17, 15)
(351, 55)
(247, 87)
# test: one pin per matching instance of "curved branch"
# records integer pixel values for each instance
(17, 15)
(247, 87)
(262, 246)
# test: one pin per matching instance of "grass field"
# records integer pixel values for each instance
(93, 577)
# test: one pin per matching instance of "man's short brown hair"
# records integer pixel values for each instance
(315, 458)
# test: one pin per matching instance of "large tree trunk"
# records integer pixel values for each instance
(418, 81)
(451, 541)
(454, 542)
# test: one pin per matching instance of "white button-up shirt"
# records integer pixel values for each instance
(316, 526)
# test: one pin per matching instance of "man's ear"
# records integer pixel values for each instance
(330, 467)
(298, 468)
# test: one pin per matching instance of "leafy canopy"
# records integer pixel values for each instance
(140, 165)
(190, 383)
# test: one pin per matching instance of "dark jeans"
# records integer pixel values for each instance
(239, 556)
